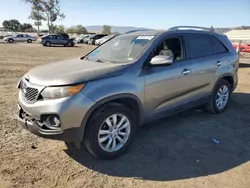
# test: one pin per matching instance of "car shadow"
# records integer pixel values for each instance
(244, 65)
(182, 146)
(59, 46)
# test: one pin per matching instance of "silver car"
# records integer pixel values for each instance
(104, 39)
(101, 99)
(20, 38)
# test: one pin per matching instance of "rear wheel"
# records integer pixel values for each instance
(11, 40)
(29, 41)
(220, 98)
(110, 131)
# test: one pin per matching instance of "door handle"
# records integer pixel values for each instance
(186, 71)
(219, 63)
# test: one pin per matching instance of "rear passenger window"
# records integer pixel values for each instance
(219, 48)
(199, 46)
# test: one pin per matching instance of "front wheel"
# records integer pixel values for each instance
(10, 40)
(69, 44)
(220, 98)
(110, 131)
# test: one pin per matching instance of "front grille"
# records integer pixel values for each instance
(30, 93)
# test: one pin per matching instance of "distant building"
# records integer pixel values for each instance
(237, 35)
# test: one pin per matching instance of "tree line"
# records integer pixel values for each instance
(46, 11)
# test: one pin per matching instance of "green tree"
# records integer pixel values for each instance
(25, 26)
(36, 14)
(30, 30)
(70, 30)
(106, 29)
(50, 9)
(59, 29)
(12, 25)
(79, 29)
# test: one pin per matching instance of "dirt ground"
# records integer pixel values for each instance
(174, 152)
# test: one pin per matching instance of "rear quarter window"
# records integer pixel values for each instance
(218, 46)
(199, 45)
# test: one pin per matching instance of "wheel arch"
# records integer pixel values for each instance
(227, 77)
(129, 100)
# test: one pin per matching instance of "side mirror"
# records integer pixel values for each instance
(162, 60)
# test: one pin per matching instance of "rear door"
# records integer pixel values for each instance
(61, 40)
(25, 37)
(205, 64)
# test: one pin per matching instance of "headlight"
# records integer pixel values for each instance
(60, 92)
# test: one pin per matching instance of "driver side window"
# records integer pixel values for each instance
(170, 47)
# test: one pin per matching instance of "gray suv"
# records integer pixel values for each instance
(100, 99)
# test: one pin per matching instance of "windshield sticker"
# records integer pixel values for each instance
(145, 37)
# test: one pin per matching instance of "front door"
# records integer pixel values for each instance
(168, 86)
(19, 37)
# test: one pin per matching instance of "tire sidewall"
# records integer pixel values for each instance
(69, 44)
(218, 86)
(47, 43)
(92, 143)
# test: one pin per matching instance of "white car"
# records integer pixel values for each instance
(104, 39)
(20, 38)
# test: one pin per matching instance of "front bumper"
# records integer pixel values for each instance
(70, 110)
(68, 135)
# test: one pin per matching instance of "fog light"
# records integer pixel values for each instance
(53, 121)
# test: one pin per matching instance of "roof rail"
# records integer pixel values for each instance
(189, 28)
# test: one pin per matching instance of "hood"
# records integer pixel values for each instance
(72, 72)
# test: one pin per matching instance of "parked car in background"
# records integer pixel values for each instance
(19, 38)
(92, 39)
(85, 40)
(101, 98)
(49, 40)
(104, 39)
(80, 39)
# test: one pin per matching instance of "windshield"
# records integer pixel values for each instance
(121, 49)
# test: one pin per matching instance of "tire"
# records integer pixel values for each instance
(69, 44)
(47, 43)
(11, 40)
(211, 106)
(29, 41)
(97, 122)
